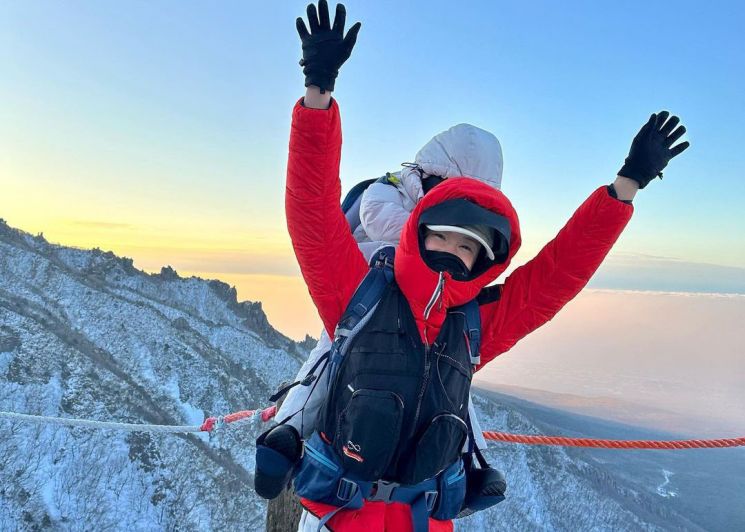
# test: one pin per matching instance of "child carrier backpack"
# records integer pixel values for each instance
(394, 422)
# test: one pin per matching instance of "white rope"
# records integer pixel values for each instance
(101, 424)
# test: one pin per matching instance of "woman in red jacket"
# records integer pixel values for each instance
(333, 266)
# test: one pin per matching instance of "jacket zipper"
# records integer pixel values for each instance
(437, 294)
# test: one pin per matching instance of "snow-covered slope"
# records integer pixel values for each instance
(85, 334)
(555, 488)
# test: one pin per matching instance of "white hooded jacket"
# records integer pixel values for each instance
(461, 151)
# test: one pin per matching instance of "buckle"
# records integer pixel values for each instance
(430, 497)
(346, 489)
(382, 491)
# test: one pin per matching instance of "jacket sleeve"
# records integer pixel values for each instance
(330, 261)
(536, 291)
(382, 213)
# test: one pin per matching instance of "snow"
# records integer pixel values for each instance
(192, 415)
(100, 340)
(662, 489)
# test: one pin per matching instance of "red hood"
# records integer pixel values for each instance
(418, 282)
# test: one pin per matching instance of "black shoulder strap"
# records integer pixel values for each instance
(472, 330)
(489, 294)
(365, 298)
(356, 192)
(473, 449)
(353, 200)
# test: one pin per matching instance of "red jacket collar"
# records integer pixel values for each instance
(419, 283)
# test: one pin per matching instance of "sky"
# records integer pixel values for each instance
(159, 130)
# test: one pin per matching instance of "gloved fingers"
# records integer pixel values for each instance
(302, 30)
(351, 38)
(646, 128)
(680, 148)
(323, 15)
(312, 18)
(661, 117)
(670, 125)
(675, 136)
(340, 19)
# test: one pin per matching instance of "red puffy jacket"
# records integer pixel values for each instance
(333, 266)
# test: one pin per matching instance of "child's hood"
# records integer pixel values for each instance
(417, 281)
(463, 150)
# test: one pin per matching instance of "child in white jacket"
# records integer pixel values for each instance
(377, 220)
(461, 151)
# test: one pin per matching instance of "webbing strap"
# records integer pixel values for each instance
(422, 498)
(473, 330)
(355, 501)
(473, 449)
(306, 381)
(369, 291)
(420, 510)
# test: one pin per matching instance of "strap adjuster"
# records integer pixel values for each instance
(430, 498)
(346, 489)
(383, 491)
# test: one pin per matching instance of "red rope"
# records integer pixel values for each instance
(237, 416)
(266, 414)
(612, 444)
(270, 412)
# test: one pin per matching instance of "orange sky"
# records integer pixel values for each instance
(119, 130)
(285, 301)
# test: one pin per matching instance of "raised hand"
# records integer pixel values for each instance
(651, 148)
(325, 48)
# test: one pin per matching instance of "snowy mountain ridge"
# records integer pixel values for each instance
(84, 334)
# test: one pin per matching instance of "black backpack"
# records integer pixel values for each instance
(396, 413)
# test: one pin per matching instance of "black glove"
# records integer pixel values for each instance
(325, 48)
(650, 150)
(485, 488)
(278, 451)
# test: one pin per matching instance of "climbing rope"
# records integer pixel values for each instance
(213, 423)
(612, 444)
(209, 425)
(99, 424)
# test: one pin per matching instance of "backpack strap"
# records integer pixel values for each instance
(360, 307)
(473, 449)
(472, 330)
(355, 193)
(366, 296)
(306, 381)
(369, 291)
(472, 334)
(490, 294)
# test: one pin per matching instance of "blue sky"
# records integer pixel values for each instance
(159, 129)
